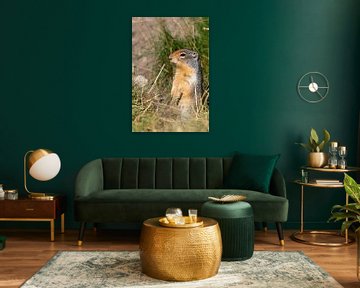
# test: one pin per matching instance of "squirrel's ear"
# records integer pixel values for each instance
(195, 55)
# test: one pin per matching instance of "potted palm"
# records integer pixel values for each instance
(317, 157)
(350, 213)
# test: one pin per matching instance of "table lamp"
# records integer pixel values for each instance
(43, 165)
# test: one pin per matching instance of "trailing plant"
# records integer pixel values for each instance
(349, 214)
(314, 144)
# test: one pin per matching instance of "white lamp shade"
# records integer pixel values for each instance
(46, 168)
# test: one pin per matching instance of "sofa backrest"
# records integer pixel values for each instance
(165, 173)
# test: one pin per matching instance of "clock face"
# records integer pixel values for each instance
(313, 87)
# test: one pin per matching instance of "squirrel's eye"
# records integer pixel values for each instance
(182, 55)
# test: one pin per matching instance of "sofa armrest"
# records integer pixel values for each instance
(89, 179)
(277, 184)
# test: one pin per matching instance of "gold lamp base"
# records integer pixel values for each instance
(41, 196)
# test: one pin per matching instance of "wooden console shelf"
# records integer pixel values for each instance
(26, 209)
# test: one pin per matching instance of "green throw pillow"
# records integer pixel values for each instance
(251, 172)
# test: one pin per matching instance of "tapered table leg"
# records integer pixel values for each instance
(63, 223)
(52, 230)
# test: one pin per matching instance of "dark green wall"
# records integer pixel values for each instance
(66, 77)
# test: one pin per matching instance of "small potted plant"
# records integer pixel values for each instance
(350, 214)
(317, 157)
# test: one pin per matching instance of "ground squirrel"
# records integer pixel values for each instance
(186, 88)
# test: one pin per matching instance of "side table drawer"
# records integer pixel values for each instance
(31, 209)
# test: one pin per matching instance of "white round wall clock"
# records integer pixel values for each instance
(313, 87)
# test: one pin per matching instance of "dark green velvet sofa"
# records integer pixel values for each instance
(130, 190)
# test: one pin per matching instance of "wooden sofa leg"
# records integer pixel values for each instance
(81, 233)
(265, 227)
(280, 233)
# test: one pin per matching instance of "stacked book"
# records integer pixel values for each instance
(328, 181)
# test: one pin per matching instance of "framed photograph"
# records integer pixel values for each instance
(170, 74)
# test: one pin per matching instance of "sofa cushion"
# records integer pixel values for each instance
(251, 172)
(266, 207)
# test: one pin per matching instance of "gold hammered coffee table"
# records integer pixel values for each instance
(180, 254)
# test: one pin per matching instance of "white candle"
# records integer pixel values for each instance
(342, 149)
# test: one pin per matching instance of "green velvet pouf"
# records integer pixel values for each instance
(236, 221)
(2, 242)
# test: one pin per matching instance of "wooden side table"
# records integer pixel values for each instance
(26, 209)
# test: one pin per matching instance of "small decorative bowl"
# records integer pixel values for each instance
(228, 198)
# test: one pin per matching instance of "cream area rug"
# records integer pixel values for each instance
(80, 269)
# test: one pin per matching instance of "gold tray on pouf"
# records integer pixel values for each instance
(165, 222)
(228, 198)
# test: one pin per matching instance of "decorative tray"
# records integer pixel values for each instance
(165, 222)
(228, 198)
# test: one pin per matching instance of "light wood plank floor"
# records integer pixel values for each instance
(28, 250)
